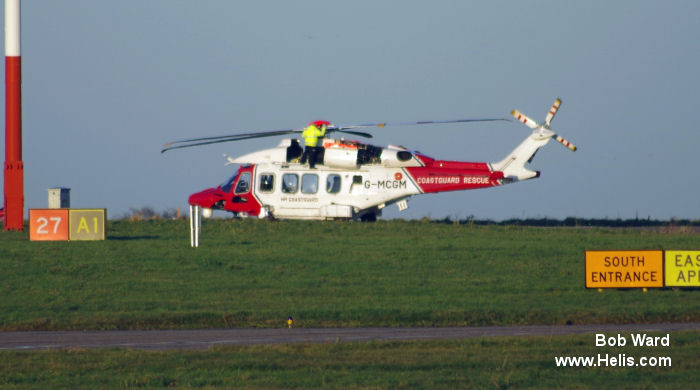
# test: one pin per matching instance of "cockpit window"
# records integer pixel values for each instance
(243, 185)
(226, 186)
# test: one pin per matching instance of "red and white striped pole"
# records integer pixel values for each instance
(14, 167)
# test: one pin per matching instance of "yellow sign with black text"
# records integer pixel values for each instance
(624, 269)
(682, 268)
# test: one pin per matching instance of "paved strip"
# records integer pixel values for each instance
(207, 338)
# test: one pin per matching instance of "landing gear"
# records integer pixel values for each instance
(369, 217)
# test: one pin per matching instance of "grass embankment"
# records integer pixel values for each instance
(389, 273)
(475, 363)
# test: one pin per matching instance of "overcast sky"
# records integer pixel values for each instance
(106, 83)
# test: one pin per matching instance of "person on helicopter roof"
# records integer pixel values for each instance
(311, 134)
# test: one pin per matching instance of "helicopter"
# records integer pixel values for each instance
(354, 180)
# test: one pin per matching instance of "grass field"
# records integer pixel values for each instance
(493, 363)
(389, 273)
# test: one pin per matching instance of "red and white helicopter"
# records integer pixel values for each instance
(354, 180)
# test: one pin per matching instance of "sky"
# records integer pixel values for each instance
(106, 83)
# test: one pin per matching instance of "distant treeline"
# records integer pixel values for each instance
(572, 221)
(146, 213)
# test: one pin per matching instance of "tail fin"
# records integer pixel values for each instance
(513, 166)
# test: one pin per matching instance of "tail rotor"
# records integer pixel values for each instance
(543, 130)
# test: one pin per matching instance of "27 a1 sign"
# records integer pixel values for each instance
(67, 224)
(48, 225)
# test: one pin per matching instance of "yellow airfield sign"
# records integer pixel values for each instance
(624, 269)
(682, 268)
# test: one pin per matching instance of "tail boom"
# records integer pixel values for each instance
(513, 166)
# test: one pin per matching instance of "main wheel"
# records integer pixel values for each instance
(369, 217)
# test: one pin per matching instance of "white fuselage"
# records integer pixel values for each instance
(324, 193)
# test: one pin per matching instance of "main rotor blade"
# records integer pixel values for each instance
(358, 133)
(384, 124)
(186, 143)
(260, 133)
(231, 138)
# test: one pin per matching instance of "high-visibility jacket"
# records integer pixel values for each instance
(312, 133)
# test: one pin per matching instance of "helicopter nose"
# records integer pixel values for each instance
(207, 198)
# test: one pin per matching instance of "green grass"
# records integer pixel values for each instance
(491, 363)
(389, 273)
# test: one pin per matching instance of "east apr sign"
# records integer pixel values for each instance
(624, 269)
(682, 268)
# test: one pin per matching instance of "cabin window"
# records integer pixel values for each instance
(243, 185)
(333, 183)
(309, 183)
(290, 183)
(267, 182)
